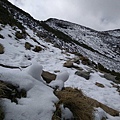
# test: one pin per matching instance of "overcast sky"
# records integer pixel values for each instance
(96, 14)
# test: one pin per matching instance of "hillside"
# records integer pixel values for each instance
(54, 69)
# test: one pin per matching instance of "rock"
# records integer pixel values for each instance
(56, 71)
(37, 49)
(99, 85)
(68, 64)
(84, 74)
(76, 60)
(28, 45)
(1, 36)
(20, 35)
(85, 60)
(109, 77)
(48, 77)
(1, 49)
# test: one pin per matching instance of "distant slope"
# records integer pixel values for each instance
(99, 46)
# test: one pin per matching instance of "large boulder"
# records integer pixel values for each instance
(84, 74)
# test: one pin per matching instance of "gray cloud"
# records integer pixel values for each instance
(96, 14)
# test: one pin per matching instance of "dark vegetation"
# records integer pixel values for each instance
(7, 18)
(1, 49)
(62, 26)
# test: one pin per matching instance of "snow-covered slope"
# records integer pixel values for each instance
(26, 40)
(114, 32)
(99, 46)
(52, 59)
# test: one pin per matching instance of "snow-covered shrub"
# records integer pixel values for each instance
(35, 70)
(58, 83)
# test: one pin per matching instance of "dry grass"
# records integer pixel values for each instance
(2, 88)
(80, 105)
(2, 95)
(77, 103)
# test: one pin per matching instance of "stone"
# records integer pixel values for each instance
(83, 74)
(99, 85)
(28, 45)
(109, 77)
(76, 60)
(48, 77)
(37, 49)
(1, 49)
(68, 64)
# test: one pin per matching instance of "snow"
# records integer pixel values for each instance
(40, 101)
(63, 76)
(35, 70)
(66, 113)
(100, 113)
(58, 83)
